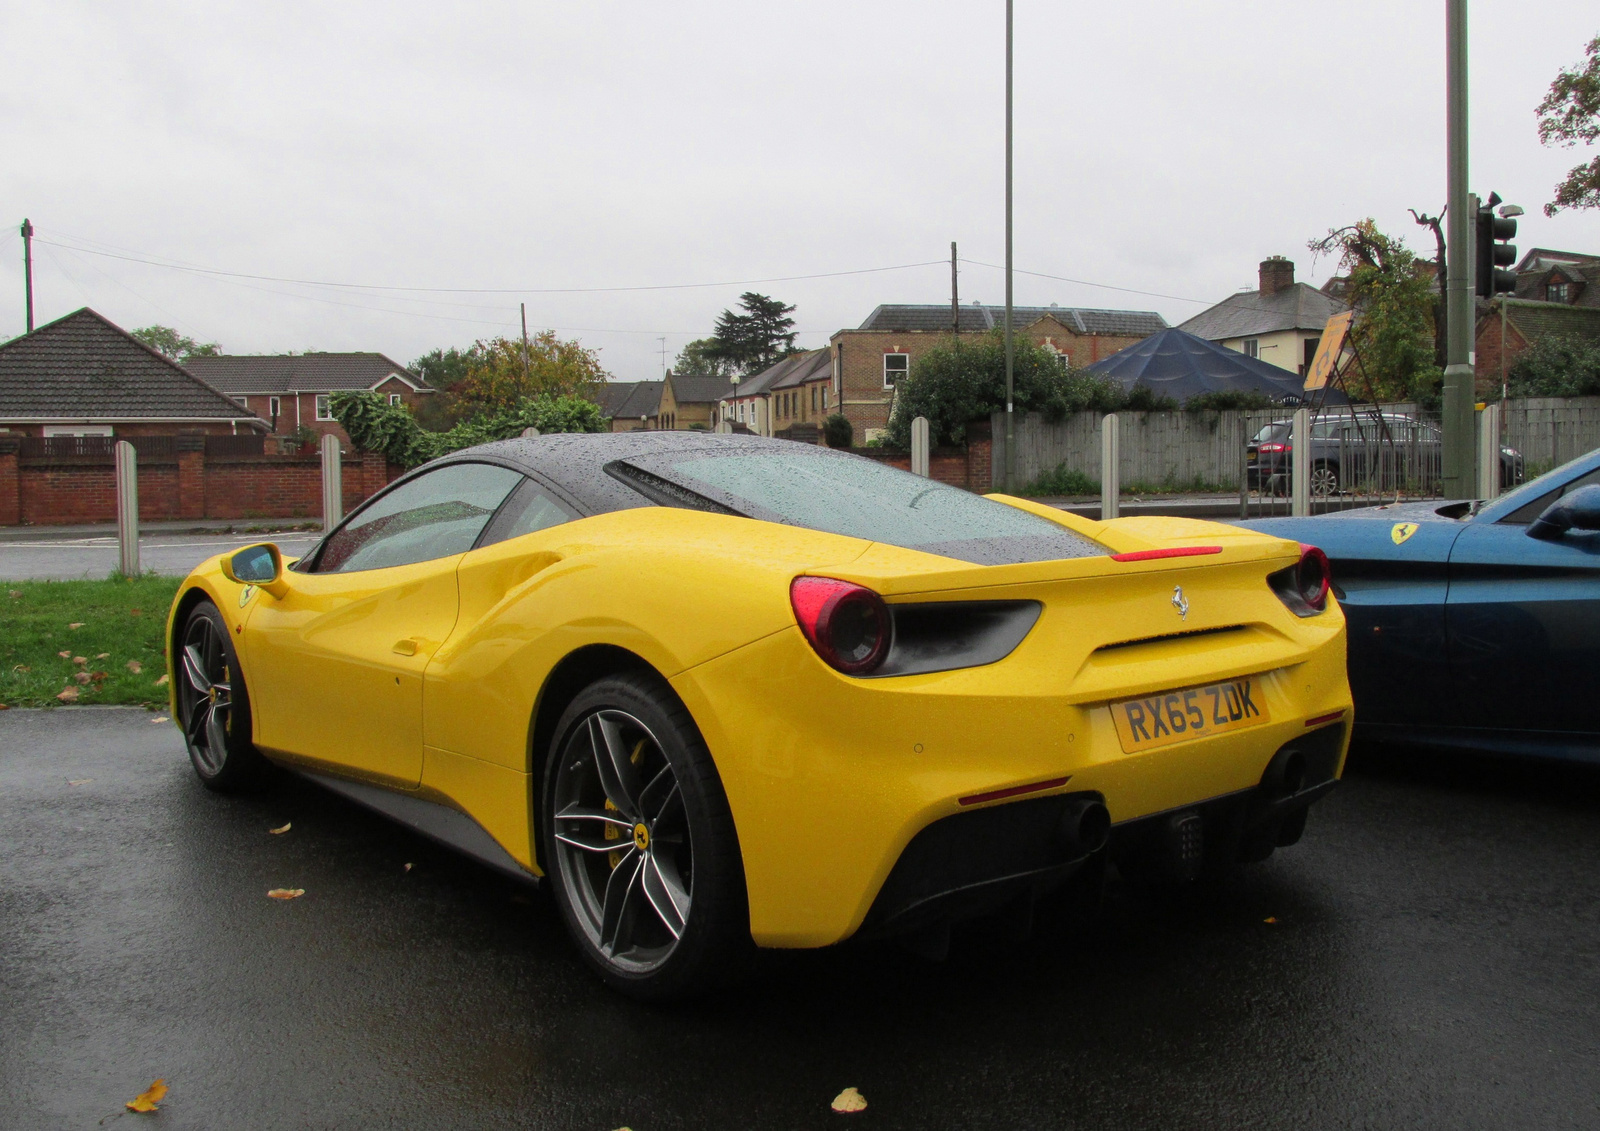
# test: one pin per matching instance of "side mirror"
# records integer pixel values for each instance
(1577, 511)
(260, 565)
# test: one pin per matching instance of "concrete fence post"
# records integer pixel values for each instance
(1489, 452)
(529, 432)
(127, 464)
(1110, 468)
(1300, 463)
(332, 483)
(919, 446)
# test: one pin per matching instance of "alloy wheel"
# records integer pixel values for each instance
(622, 842)
(206, 694)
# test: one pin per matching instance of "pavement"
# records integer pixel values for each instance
(1426, 957)
(61, 553)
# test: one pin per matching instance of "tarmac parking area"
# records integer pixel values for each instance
(1429, 956)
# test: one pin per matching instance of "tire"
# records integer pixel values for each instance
(662, 915)
(214, 705)
(1325, 480)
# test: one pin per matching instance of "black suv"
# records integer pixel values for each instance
(1369, 453)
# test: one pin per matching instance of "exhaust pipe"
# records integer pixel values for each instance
(1085, 826)
(1286, 773)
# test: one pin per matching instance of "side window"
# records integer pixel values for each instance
(528, 510)
(433, 516)
(1530, 511)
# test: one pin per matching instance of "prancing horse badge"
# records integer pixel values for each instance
(1402, 531)
(1180, 603)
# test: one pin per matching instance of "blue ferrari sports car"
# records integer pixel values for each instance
(1473, 625)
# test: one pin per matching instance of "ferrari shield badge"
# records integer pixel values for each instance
(1402, 531)
(245, 594)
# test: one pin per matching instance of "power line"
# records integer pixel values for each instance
(499, 290)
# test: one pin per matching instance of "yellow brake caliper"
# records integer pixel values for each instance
(611, 831)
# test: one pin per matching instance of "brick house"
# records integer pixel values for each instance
(1568, 278)
(82, 375)
(291, 391)
(869, 362)
(802, 393)
(690, 403)
(631, 406)
(1506, 327)
(1279, 322)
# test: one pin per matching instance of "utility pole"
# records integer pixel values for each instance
(27, 266)
(955, 297)
(526, 377)
(1459, 454)
(663, 342)
(1011, 428)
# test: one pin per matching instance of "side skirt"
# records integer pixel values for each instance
(450, 827)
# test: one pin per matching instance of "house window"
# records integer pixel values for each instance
(394, 398)
(324, 410)
(824, 398)
(1557, 292)
(274, 407)
(1252, 347)
(895, 366)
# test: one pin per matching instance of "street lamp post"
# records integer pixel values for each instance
(1458, 454)
(1011, 428)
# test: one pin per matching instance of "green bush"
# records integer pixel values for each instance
(375, 425)
(1228, 400)
(1556, 367)
(836, 431)
(955, 384)
(1062, 480)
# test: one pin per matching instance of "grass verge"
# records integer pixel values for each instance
(53, 634)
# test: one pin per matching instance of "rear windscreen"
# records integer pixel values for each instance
(862, 498)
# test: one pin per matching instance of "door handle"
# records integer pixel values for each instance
(406, 647)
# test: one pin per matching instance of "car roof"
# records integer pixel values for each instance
(575, 463)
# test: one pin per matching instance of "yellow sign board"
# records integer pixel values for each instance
(1328, 351)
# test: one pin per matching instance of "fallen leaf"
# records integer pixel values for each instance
(286, 893)
(135, 612)
(161, 719)
(80, 659)
(101, 655)
(5, 706)
(22, 668)
(162, 682)
(135, 666)
(287, 825)
(408, 867)
(15, 593)
(1270, 919)
(147, 1100)
(80, 781)
(76, 624)
(99, 677)
(68, 695)
(65, 655)
(82, 677)
(848, 1101)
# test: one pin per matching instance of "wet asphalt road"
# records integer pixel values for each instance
(1433, 964)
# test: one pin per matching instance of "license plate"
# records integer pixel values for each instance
(1251, 458)
(1188, 714)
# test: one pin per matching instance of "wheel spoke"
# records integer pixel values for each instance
(616, 920)
(199, 716)
(617, 775)
(654, 797)
(216, 736)
(666, 895)
(194, 667)
(591, 839)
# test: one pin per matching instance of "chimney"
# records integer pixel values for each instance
(1277, 273)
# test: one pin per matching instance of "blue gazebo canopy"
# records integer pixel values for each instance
(1179, 365)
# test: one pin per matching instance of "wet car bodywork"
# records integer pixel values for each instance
(1465, 630)
(976, 760)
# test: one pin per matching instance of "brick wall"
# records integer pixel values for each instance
(55, 491)
(1486, 371)
(967, 467)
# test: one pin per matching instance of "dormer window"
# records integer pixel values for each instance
(1558, 290)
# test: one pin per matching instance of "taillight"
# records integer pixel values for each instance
(1274, 447)
(1303, 587)
(847, 624)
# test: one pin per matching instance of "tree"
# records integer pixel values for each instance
(444, 368)
(1569, 114)
(959, 382)
(1556, 366)
(756, 339)
(498, 380)
(169, 343)
(1393, 332)
(375, 425)
(700, 359)
(1441, 305)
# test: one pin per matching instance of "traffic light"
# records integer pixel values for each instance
(1493, 255)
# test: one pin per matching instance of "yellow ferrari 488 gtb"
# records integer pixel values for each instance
(721, 689)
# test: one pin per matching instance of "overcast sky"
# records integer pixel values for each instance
(532, 147)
